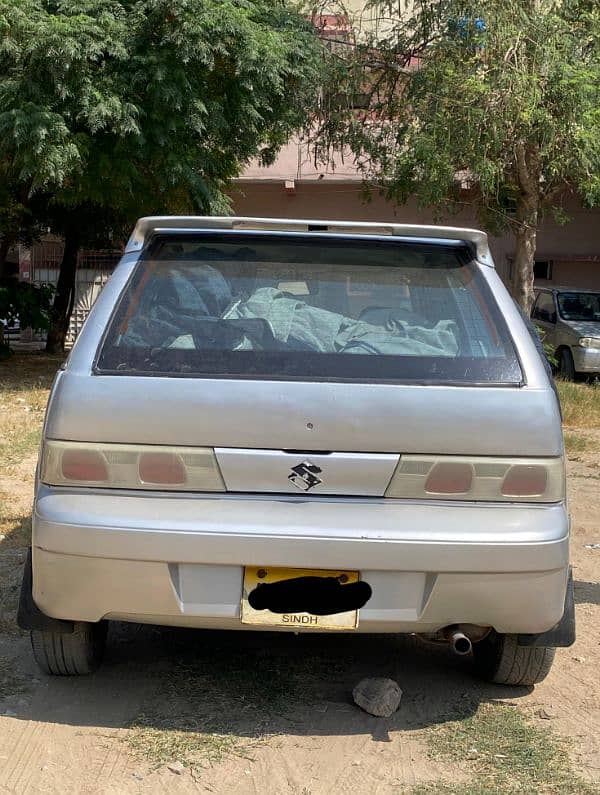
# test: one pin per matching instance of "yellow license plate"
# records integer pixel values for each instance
(256, 576)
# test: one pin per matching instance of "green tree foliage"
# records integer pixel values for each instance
(499, 99)
(24, 303)
(111, 109)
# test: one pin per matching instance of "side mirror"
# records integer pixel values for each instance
(551, 317)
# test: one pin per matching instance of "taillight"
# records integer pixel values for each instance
(166, 468)
(88, 465)
(445, 478)
(525, 480)
(123, 466)
(478, 479)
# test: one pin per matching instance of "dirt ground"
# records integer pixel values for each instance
(274, 710)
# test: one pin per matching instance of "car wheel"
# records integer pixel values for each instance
(566, 364)
(74, 654)
(499, 658)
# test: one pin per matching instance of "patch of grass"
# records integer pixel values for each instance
(576, 443)
(219, 700)
(15, 528)
(195, 719)
(25, 382)
(12, 559)
(505, 753)
(11, 681)
(580, 404)
(191, 746)
(29, 370)
(9, 626)
(20, 443)
(21, 419)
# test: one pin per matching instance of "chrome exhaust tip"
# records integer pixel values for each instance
(460, 643)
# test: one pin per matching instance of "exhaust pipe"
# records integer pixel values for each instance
(460, 643)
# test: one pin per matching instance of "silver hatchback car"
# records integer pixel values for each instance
(305, 426)
(569, 322)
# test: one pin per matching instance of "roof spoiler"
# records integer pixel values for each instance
(147, 227)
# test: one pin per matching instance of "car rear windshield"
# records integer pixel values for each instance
(292, 306)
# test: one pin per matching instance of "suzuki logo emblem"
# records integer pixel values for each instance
(305, 476)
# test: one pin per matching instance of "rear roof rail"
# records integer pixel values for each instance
(147, 227)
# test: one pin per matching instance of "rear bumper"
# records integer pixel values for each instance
(179, 560)
(586, 360)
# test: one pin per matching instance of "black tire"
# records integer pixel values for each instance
(73, 654)
(500, 659)
(566, 364)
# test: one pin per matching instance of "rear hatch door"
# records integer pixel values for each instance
(310, 363)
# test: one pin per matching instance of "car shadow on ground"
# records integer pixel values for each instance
(251, 684)
(587, 592)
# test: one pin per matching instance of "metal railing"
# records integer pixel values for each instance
(93, 271)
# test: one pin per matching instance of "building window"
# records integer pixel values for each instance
(542, 269)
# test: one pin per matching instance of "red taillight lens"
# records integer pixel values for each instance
(478, 479)
(86, 465)
(450, 478)
(163, 468)
(130, 466)
(525, 481)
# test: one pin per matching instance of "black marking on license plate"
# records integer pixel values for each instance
(319, 596)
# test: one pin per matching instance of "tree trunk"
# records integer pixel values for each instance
(525, 239)
(62, 307)
(6, 242)
(526, 217)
